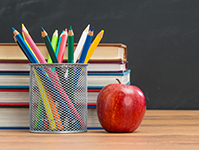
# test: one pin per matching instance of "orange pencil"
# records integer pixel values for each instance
(54, 111)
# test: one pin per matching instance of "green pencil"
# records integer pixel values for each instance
(54, 41)
(49, 46)
(70, 46)
(71, 60)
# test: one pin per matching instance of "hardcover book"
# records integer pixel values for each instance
(104, 52)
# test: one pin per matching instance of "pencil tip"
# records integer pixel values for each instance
(92, 29)
(22, 25)
(13, 29)
(42, 29)
(88, 26)
(70, 28)
(102, 31)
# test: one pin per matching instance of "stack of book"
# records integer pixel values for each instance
(108, 62)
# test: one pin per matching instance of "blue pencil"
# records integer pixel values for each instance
(58, 44)
(86, 46)
(24, 46)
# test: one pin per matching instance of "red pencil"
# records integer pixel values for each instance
(62, 46)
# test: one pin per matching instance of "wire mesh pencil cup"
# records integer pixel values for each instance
(58, 98)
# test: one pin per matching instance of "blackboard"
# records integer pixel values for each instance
(162, 37)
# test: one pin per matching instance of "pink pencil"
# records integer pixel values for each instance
(62, 46)
(34, 47)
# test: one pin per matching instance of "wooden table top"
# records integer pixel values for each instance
(160, 129)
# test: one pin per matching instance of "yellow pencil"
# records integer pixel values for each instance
(94, 45)
(45, 102)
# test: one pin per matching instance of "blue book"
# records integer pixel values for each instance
(95, 80)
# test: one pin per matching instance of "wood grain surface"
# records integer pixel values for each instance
(160, 129)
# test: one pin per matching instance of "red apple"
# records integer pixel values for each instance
(120, 108)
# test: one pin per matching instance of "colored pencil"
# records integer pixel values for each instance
(81, 43)
(49, 45)
(94, 45)
(58, 44)
(54, 41)
(45, 101)
(70, 46)
(70, 85)
(40, 57)
(33, 47)
(24, 46)
(21, 48)
(24, 28)
(86, 46)
(55, 112)
(62, 46)
(40, 115)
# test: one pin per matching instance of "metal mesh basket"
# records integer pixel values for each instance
(58, 98)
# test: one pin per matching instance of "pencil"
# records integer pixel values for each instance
(62, 46)
(55, 112)
(21, 48)
(24, 46)
(81, 43)
(86, 46)
(49, 45)
(94, 45)
(40, 115)
(70, 46)
(54, 44)
(58, 44)
(24, 28)
(33, 47)
(70, 85)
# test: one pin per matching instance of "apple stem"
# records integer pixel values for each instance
(118, 81)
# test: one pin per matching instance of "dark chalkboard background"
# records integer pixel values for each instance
(162, 38)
